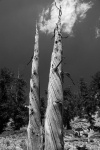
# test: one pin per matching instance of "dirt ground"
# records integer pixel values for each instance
(18, 141)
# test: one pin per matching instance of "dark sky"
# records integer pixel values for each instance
(17, 30)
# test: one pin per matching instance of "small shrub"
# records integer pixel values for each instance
(81, 148)
(8, 143)
(23, 145)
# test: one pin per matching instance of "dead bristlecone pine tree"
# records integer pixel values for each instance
(53, 120)
(33, 130)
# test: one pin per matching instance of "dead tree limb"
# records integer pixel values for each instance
(53, 120)
(69, 76)
(34, 138)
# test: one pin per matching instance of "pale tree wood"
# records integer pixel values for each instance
(53, 120)
(34, 104)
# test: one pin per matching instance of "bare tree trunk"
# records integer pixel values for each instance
(34, 104)
(53, 120)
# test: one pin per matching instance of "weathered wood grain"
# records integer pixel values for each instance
(34, 104)
(53, 120)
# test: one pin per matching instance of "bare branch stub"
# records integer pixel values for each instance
(56, 5)
(55, 69)
(30, 61)
(60, 35)
(65, 37)
(69, 76)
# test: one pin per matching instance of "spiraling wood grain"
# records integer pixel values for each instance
(53, 120)
(34, 105)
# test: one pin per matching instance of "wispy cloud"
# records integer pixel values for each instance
(97, 32)
(97, 29)
(72, 11)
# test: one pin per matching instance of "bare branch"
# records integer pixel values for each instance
(69, 76)
(65, 37)
(55, 69)
(30, 61)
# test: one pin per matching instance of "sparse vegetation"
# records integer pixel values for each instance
(13, 140)
(17, 140)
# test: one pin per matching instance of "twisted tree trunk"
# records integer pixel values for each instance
(34, 105)
(53, 120)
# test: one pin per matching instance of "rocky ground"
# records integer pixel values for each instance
(82, 144)
(18, 141)
(13, 140)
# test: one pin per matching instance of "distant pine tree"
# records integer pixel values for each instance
(12, 99)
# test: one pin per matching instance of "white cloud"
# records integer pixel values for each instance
(97, 32)
(72, 11)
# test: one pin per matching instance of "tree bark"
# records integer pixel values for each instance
(34, 104)
(53, 120)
